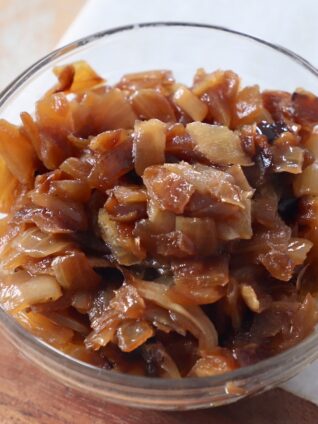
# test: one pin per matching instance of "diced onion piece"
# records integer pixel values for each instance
(161, 319)
(52, 145)
(210, 180)
(218, 144)
(216, 363)
(149, 104)
(54, 115)
(40, 289)
(162, 221)
(96, 113)
(4, 222)
(224, 82)
(102, 315)
(175, 244)
(44, 328)
(241, 180)
(108, 167)
(200, 282)
(128, 302)
(38, 244)
(76, 168)
(130, 194)
(149, 144)
(311, 143)
(57, 215)
(279, 104)
(232, 303)
(158, 236)
(123, 245)
(116, 112)
(132, 334)
(308, 211)
(111, 308)
(10, 297)
(17, 152)
(193, 317)
(305, 108)
(306, 183)
(125, 212)
(9, 188)
(239, 226)
(298, 249)
(82, 301)
(76, 77)
(172, 185)
(249, 108)
(31, 130)
(67, 320)
(77, 191)
(288, 159)
(74, 272)
(158, 79)
(250, 297)
(278, 264)
(169, 190)
(106, 140)
(189, 103)
(96, 340)
(218, 90)
(11, 259)
(201, 231)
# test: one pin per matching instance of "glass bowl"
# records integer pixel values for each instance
(182, 47)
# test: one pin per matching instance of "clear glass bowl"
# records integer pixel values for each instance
(182, 47)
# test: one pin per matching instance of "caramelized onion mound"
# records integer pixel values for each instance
(156, 229)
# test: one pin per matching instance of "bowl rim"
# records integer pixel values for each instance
(290, 356)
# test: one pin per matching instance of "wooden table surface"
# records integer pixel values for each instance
(30, 396)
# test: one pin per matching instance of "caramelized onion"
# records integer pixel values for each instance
(249, 107)
(9, 188)
(218, 144)
(193, 318)
(189, 103)
(120, 240)
(37, 244)
(73, 272)
(76, 77)
(17, 152)
(161, 230)
(132, 334)
(40, 289)
(44, 328)
(149, 144)
(216, 363)
(307, 182)
(199, 283)
(149, 104)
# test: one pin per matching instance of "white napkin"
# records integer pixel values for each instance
(289, 23)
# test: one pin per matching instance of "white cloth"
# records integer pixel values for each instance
(289, 23)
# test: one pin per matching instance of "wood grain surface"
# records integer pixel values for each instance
(30, 396)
